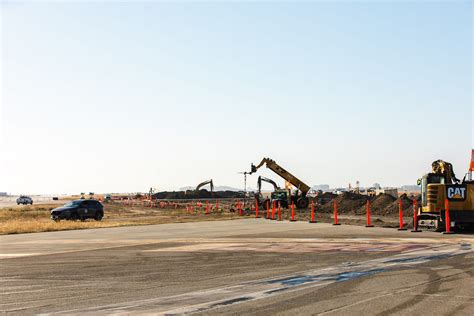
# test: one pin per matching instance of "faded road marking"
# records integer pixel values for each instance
(205, 300)
(289, 247)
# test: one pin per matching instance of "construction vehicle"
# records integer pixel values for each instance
(371, 192)
(263, 201)
(259, 183)
(438, 186)
(211, 185)
(284, 195)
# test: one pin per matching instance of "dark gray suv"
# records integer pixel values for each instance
(79, 209)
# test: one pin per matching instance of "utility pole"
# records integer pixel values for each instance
(245, 173)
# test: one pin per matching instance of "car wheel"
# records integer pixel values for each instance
(98, 216)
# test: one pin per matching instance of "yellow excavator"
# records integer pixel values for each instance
(437, 186)
(284, 196)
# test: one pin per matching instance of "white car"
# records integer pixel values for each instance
(24, 200)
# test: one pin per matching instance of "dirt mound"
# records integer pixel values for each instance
(193, 195)
(347, 202)
(325, 198)
(407, 205)
(378, 204)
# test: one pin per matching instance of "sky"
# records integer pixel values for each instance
(124, 96)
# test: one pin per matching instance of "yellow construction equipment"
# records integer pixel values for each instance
(438, 186)
(284, 196)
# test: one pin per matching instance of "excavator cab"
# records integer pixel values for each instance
(281, 196)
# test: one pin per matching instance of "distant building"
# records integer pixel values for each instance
(376, 186)
(322, 187)
(339, 190)
(390, 191)
(3, 194)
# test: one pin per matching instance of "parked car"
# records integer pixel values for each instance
(79, 209)
(23, 199)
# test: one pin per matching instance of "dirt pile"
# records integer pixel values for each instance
(325, 198)
(407, 205)
(347, 203)
(193, 195)
(378, 204)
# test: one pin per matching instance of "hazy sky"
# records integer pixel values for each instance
(116, 97)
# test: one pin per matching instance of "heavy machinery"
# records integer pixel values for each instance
(284, 195)
(259, 183)
(437, 186)
(262, 201)
(371, 192)
(211, 185)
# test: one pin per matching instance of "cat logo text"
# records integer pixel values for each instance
(456, 192)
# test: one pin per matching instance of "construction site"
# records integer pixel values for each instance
(251, 158)
(290, 250)
(443, 203)
(296, 201)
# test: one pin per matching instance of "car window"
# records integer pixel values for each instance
(73, 203)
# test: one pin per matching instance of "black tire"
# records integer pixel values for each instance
(98, 216)
(302, 202)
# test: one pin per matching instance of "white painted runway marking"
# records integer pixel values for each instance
(16, 255)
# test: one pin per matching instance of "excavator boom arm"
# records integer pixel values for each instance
(259, 183)
(211, 184)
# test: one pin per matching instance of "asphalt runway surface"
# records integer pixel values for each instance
(248, 266)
